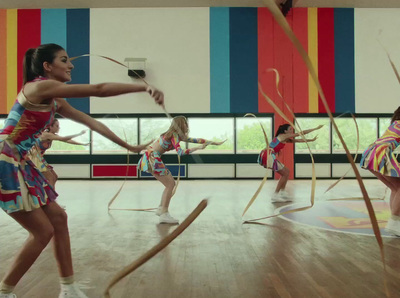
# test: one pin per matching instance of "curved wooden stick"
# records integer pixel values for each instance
(157, 248)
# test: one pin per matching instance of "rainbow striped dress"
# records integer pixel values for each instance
(22, 186)
(379, 156)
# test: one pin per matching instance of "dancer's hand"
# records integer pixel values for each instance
(157, 95)
(218, 143)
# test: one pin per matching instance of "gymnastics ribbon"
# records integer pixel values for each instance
(157, 248)
(273, 8)
(282, 114)
(266, 174)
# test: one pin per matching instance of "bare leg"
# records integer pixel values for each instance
(283, 180)
(392, 184)
(40, 233)
(61, 241)
(169, 183)
(395, 201)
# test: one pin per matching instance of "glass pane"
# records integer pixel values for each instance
(249, 135)
(125, 128)
(2, 122)
(322, 143)
(383, 125)
(367, 129)
(67, 128)
(212, 129)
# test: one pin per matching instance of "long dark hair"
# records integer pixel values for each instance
(396, 115)
(34, 59)
(281, 129)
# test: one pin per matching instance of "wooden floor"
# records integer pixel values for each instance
(217, 256)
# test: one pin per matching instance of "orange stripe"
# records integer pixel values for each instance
(313, 54)
(3, 61)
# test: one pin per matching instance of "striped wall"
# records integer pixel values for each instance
(256, 43)
(243, 44)
(26, 28)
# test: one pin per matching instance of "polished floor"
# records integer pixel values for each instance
(217, 256)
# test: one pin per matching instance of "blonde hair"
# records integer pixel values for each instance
(179, 125)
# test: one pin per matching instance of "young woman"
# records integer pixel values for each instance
(285, 134)
(151, 161)
(380, 160)
(44, 142)
(25, 193)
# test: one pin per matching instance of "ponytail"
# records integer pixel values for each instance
(28, 74)
(281, 129)
(34, 59)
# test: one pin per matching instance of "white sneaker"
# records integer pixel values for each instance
(10, 295)
(285, 195)
(393, 227)
(71, 291)
(168, 219)
(158, 211)
(276, 198)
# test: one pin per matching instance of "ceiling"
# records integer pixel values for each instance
(190, 3)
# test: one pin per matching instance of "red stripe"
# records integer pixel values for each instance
(114, 171)
(326, 57)
(3, 61)
(265, 56)
(28, 35)
(283, 62)
(300, 71)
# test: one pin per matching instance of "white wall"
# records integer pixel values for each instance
(175, 42)
(377, 89)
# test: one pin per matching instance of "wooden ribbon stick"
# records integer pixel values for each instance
(157, 248)
(127, 168)
(273, 8)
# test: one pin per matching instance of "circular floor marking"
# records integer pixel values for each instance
(340, 216)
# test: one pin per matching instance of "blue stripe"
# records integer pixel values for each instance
(54, 26)
(219, 60)
(243, 60)
(172, 168)
(344, 60)
(78, 37)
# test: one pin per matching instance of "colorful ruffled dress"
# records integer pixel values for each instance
(268, 159)
(380, 157)
(22, 185)
(151, 161)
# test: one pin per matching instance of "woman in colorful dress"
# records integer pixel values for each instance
(269, 159)
(25, 193)
(379, 158)
(43, 143)
(151, 161)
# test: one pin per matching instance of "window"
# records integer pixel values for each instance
(212, 129)
(367, 129)
(67, 128)
(249, 135)
(384, 123)
(125, 128)
(322, 143)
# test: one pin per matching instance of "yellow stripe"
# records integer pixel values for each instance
(313, 54)
(11, 57)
